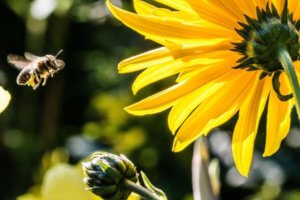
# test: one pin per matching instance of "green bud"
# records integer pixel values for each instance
(105, 174)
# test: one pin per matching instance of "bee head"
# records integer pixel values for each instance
(59, 63)
(53, 61)
(24, 76)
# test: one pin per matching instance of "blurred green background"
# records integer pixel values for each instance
(80, 110)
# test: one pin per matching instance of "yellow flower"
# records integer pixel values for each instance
(4, 99)
(224, 54)
(63, 182)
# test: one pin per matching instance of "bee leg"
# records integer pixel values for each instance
(36, 82)
(35, 86)
(44, 68)
(51, 72)
(38, 76)
(51, 69)
(44, 81)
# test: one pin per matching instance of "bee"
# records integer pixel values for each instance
(35, 70)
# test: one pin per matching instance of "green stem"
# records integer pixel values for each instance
(131, 186)
(288, 67)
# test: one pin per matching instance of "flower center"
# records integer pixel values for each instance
(263, 38)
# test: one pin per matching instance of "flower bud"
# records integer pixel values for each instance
(105, 174)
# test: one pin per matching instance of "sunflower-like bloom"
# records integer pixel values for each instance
(63, 182)
(228, 57)
(4, 99)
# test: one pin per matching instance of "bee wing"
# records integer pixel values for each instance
(16, 61)
(30, 56)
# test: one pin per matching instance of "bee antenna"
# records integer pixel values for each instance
(60, 51)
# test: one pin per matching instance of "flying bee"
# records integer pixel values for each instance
(35, 70)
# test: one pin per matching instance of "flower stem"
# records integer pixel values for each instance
(202, 188)
(196, 169)
(289, 69)
(131, 186)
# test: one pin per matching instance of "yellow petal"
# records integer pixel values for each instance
(181, 5)
(231, 8)
(279, 4)
(165, 70)
(246, 128)
(187, 74)
(278, 119)
(219, 107)
(64, 182)
(166, 98)
(295, 9)
(247, 7)
(29, 196)
(174, 31)
(293, 6)
(183, 108)
(145, 60)
(229, 57)
(213, 14)
(4, 99)
(143, 8)
(210, 49)
(261, 3)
